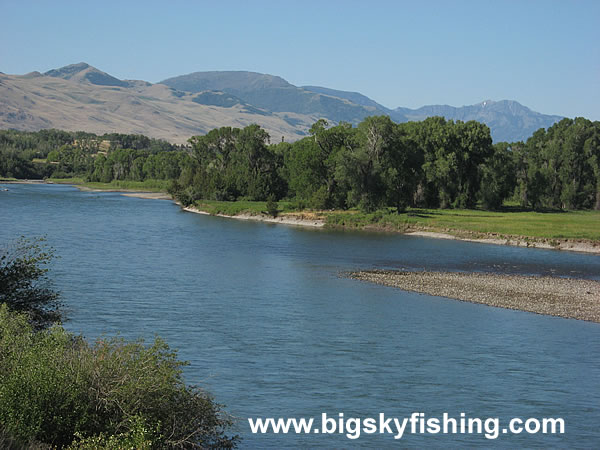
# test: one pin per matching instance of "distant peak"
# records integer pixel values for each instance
(84, 72)
(71, 69)
(238, 81)
(34, 74)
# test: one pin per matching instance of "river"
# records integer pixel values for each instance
(272, 330)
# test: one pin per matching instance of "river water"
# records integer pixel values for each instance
(272, 330)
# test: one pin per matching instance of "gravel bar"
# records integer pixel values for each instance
(564, 297)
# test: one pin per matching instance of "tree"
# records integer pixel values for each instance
(498, 177)
(453, 155)
(24, 286)
(401, 169)
(361, 167)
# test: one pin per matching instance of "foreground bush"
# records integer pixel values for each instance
(57, 389)
(24, 285)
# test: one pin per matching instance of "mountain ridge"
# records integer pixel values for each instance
(80, 95)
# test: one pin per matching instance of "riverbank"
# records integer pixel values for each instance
(577, 231)
(298, 219)
(562, 297)
(572, 245)
(572, 231)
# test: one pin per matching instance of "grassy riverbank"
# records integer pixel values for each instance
(116, 185)
(509, 224)
(552, 229)
(476, 223)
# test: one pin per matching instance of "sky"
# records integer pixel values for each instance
(543, 54)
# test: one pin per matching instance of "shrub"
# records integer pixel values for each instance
(57, 389)
(24, 286)
(272, 206)
(320, 199)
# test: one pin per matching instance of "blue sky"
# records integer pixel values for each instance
(544, 54)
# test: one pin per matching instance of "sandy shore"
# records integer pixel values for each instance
(129, 193)
(563, 297)
(25, 182)
(558, 244)
(149, 195)
(286, 219)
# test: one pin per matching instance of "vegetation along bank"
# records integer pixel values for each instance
(434, 176)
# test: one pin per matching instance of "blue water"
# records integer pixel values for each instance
(271, 329)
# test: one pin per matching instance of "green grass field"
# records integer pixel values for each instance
(525, 224)
(544, 225)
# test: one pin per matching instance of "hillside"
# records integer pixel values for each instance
(89, 101)
(273, 93)
(82, 97)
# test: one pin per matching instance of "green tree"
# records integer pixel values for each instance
(498, 177)
(401, 169)
(361, 166)
(24, 285)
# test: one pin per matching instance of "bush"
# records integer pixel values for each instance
(57, 389)
(320, 199)
(24, 286)
(272, 206)
(298, 204)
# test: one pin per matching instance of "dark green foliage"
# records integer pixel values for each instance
(433, 163)
(71, 154)
(272, 206)
(558, 167)
(24, 286)
(230, 164)
(498, 177)
(57, 389)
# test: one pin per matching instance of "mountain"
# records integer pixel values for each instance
(274, 94)
(354, 97)
(85, 72)
(508, 120)
(82, 97)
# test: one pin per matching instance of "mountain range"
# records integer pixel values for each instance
(81, 97)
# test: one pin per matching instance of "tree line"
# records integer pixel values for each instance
(435, 163)
(59, 154)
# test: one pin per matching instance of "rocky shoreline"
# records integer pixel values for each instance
(563, 297)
